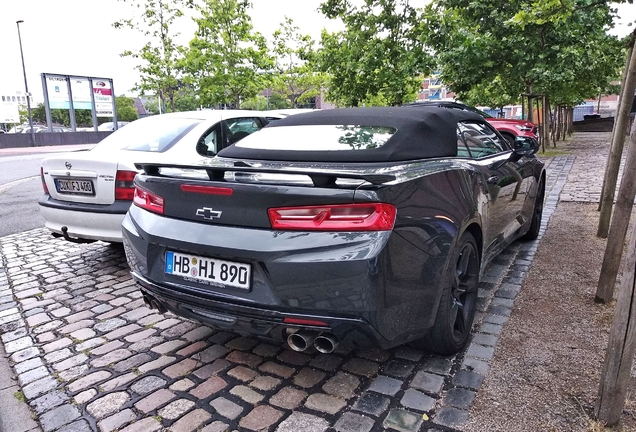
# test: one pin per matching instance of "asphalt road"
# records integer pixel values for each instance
(20, 189)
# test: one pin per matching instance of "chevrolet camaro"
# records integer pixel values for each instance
(356, 226)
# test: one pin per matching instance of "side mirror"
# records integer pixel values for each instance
(525, 146)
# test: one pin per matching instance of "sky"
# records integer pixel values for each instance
(76, 37)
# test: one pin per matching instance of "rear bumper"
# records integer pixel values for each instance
(259, 321)
(84, 221)
(367, 287)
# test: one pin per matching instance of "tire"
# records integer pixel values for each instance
(456, 310)
(537, 214)
(509, 138)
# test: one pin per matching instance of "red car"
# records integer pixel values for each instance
(509, 128)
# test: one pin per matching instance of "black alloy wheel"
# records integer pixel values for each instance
(537, 214)
(464, 292)
(456, 311)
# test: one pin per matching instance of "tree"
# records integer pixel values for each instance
(261, 103)
(478, 43)
(158, 68)
(380, 54)
(126, 110)
(294, 75)
(226, 61)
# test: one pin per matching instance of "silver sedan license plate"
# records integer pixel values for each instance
(208, 270)
(75, 186)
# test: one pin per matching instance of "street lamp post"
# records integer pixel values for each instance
(26, 86)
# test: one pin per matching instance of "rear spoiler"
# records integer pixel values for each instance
(318, 177)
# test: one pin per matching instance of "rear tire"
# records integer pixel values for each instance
(456, 311)
(537, 214)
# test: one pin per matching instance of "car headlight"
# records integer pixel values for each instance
(524, 128)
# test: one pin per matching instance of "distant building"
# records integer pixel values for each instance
(10, 103)
(434, 89)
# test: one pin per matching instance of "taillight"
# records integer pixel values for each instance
(124, 187)
(302, 321)
(147, 200)
(208, 190)
(340, 217)
(46, 189)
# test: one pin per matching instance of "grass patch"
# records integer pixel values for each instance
(552, 152)
(19, 396)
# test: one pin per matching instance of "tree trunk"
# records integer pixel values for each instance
(616, 150)
(618, 230)
(630, 52)
(620, 347)
(553, 126)
(546, 120)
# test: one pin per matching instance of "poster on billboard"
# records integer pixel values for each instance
(57, 91)
(103, 98)
(81, 90)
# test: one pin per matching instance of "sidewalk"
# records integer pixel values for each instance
(44, 149)
(89, 356)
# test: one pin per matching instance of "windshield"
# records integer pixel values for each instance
(150, 134)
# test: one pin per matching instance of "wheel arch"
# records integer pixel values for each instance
(475, 230)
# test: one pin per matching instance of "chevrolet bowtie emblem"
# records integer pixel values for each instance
(208, 213)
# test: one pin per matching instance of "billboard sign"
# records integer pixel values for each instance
(9, 112)
(103, 94)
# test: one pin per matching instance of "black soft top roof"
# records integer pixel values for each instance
(426, 132)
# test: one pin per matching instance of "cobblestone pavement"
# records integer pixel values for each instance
(585, 181)
(89, 356)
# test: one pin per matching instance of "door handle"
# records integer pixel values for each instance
(492, 180)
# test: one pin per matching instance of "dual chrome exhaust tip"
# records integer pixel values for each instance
(152, 303)
(323, 342)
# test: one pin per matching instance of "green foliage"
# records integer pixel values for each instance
(490, 51)
(19, 396)
(295, 76)
(24, 114)
(379, 56)
(226, 61)
(261, 103)
(159, 56)
(126, 110)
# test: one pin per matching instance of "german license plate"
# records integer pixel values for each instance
(75, 186)
(209, 270)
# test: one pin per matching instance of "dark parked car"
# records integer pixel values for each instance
(509, 128)
(361, 226)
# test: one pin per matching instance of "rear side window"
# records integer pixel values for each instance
(319, 138)
(151, 134)
(476, 140)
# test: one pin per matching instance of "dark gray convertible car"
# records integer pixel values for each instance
(360, 226)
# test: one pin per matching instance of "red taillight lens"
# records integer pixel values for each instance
(124, 187)
(208, 190)
(46, 189)
(340, 217)
(147, 200)
(302, 321)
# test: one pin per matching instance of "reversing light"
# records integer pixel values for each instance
(147, 200)
(124, 187)
(338, 217)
